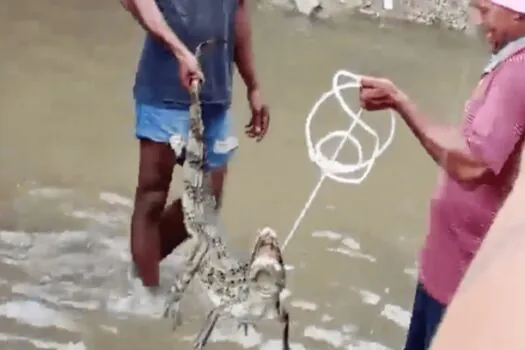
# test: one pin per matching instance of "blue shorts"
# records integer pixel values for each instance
(159, 124)
(426, 316)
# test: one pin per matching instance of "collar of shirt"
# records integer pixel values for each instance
(507, 51)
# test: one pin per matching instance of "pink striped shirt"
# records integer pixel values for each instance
(461, 213)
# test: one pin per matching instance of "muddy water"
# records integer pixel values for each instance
(68, 168)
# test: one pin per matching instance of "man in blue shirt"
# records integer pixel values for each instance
(166, 68)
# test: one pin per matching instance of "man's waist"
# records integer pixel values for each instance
(158, 79)
(442, 266)
(454, 238)
(166, 98)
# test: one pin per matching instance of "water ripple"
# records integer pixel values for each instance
(61, 279)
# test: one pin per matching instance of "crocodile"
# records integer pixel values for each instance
(246, 291)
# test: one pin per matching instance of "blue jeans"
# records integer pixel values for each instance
(159, 124)
(426, 316)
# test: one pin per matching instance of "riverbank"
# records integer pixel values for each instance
(449, 14)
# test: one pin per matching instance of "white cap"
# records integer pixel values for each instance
(514, 5)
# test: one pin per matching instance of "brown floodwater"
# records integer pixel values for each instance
(68, 161)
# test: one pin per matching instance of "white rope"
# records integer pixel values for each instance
(330, 168)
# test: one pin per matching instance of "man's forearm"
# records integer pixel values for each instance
(148, 15)
(243, 47)
(445, 144)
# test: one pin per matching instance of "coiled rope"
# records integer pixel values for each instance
(330, 167)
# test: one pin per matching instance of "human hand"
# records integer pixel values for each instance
(260, 120)
(189, 69)
(378, 94)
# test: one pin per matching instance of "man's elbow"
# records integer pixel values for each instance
(466, 168)
(127, 4)
(470, 174)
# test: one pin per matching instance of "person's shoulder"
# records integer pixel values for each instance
(517, 58)
(512, 71)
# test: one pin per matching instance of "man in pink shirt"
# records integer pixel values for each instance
(478, 161)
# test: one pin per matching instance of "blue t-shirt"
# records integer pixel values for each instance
(157, 80)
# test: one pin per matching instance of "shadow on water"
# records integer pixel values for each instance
(68, 164)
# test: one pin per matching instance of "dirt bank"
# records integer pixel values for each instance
(451, 14)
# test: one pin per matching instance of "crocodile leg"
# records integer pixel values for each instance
(209, 324)
(193, 253)
(245, 326)
(284, 318)
(171, 307)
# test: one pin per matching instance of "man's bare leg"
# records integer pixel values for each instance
(155, 172)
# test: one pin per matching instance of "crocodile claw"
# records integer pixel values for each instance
(172, 311)
(245, 326)
(198, 345)
(172, 308)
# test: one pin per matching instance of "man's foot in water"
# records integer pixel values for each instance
(147, 300)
